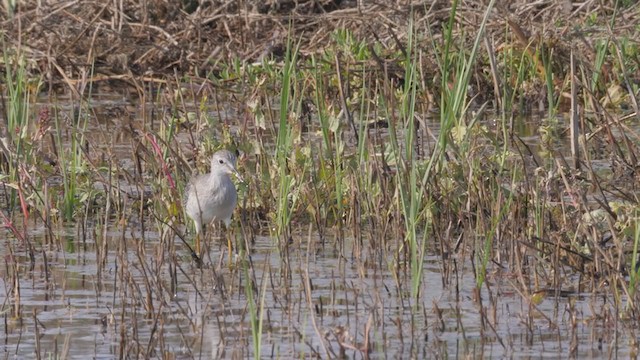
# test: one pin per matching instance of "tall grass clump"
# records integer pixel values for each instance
(18, 101)
(518, 66)
(634, 264)
(71, 158)
(456, 69)
(335, 118)
(256, 310)
(327, 131)
(18, 149)
(286, 198)
(408, 172)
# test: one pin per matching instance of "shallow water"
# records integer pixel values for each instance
(81, 314)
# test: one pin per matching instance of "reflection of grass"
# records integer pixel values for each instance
(256, 309)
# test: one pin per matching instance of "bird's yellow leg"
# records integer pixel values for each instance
(198, 244)
(229, 247)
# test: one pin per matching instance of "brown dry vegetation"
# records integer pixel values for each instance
(130, 39)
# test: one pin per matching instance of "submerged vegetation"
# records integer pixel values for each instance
(499, 139)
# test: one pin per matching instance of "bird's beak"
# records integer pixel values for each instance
(236, 173)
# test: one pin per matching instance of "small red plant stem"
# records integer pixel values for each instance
(165, 168)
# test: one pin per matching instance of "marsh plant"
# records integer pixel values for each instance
(384, 156)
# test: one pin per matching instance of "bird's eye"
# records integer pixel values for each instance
(221, 161)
